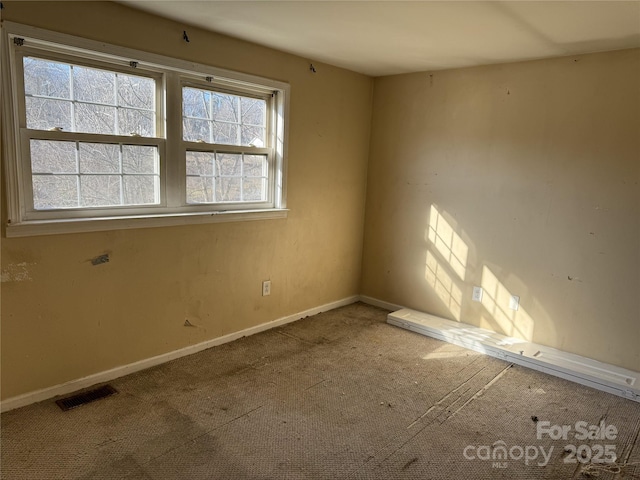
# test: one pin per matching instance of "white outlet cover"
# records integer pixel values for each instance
(514, 302)
(477, 294)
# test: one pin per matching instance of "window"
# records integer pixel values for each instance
(101, 137)
(107, 171)
(228, 171)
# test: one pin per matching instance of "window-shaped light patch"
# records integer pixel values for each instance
(83, 174)
(222, 118)
(452, 248)
(496, 297)
(74, 98)
(443, 285)
(217, 177)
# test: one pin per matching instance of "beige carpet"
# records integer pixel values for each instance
(341, 395)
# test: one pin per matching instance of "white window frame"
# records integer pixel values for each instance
(171, 75)
(216, 85)
(29, 213)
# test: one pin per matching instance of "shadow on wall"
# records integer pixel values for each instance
(446, 271)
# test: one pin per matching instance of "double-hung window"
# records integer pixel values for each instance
(91, 137)
(226, 138)
(99, 137)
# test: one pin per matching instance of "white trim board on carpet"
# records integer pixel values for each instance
(585, 371)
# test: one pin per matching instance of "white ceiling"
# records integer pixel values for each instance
(390, 37)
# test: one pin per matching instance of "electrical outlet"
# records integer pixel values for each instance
(514, 302)
(477, 294)
(266, 288)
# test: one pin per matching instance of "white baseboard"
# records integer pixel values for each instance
(585, 371)
(380, 303)
(108, 375)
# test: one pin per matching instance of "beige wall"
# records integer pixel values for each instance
(529, 173)
(63, 318)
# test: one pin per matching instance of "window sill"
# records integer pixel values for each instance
(52, 227)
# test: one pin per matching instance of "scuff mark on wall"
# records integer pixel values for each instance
(100, 259)
(17, 272)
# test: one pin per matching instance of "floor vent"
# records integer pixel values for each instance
(89, 396)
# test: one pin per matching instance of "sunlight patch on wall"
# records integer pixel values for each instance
(516, 323)
(452, 248)
(443, 285)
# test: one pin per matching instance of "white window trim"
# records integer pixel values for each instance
(175, 72)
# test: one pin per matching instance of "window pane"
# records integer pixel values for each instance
(237, 177)
(196, 103)
(254, 111)
(45, 114)
(53, 157)
(100, 190)
(99, 158)
(54, 191)
(138, 92)
(226, 133)
(195, 130)
(228, 164)
(255, 166)
(223, 118)
(254, 189)
(228, 189)
(47, 78)
(140, 189)
(200, 190)
(92, 85)
(139, 159)
(138, 122)
(226, 107)
(99, 176)
(95, 119)
(90, 102)
(200, 163)
(253, 136)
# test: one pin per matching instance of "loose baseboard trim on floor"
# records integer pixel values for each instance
(585, 371)
(380, 303)
(108, 375)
